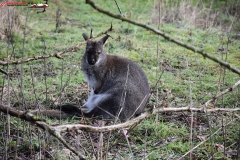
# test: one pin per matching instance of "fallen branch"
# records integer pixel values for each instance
(56, 130)
(57, 55)
(39, 123)
(30, 117)
(138, 119)
(56, 134)
(190, 47)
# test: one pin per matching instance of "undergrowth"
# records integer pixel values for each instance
(188, 78)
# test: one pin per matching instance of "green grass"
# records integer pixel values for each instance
(187, 76)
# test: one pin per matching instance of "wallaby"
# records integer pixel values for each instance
(120, 88)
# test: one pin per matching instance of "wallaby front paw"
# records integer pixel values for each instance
(85, 109)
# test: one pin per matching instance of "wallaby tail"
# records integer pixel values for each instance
(63, 112)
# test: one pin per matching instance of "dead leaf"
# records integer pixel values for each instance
(219, 147)
(66, 151)
(118, 38)
(82, 121)
(231, 152)
(53, 98)
(167, 90)
(194, 120)
(167, 141)
(3, 37)
(143, 153)
(193, 156)
(165, 105)
(72, 134)
(201, 138)
(125, 133)
(79, 131)
(84, 86)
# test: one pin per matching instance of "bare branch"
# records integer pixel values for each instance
(190, 47)
(31, 118)
(57, 55)
(56, 134)
(3, 72)
(118, 8)
(138, 119)
(223, 93)
(56, 130)
(105, 128)
(39, 123)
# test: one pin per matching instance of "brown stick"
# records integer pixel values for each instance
(222, 93)
(3, 72)
(139, 119)
(100, 142)
(39, 123)
(190, 47)
(57, 55)
(29, 117)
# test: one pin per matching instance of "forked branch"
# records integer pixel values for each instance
(56, 130)
(40, 123)
(190, 47)
(222, 93)
(57, 55)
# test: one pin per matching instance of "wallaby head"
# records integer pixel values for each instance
(94, 49)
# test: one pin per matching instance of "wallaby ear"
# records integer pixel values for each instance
(91, 33)
(85, 36)
(104, 39)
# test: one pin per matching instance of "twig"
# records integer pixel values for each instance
(222, 93)
(3, 72)
(190, 47)
(118, 8)
(100, 142)
(238, 148)
(157, 69)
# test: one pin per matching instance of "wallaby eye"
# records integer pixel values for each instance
(98, 52)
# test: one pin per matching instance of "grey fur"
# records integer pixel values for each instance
(120, 88)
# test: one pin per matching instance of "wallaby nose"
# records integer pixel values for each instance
(91, 61)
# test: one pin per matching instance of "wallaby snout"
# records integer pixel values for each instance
(92, 58)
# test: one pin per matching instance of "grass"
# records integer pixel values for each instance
(187, 77)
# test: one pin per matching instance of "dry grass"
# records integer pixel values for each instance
(10, 21)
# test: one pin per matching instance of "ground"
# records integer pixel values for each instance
(188, 79)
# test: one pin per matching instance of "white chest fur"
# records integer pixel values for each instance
(91, 79)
